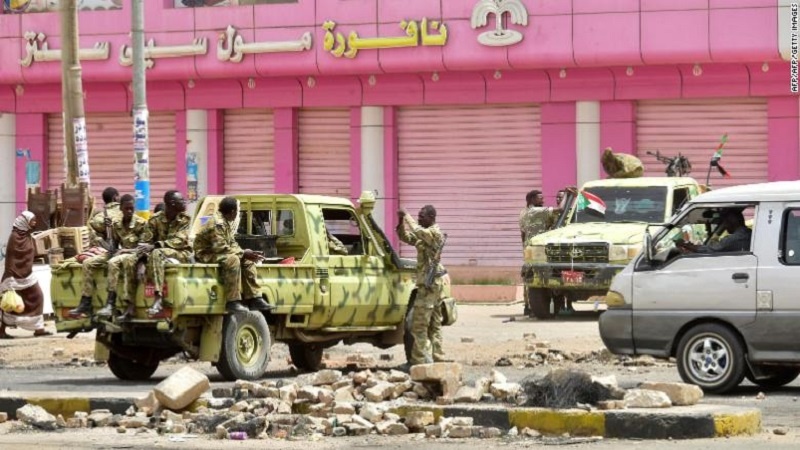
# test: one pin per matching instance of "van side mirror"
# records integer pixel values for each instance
(647, 251)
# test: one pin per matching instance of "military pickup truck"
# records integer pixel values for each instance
(578, 260)
(317, 298)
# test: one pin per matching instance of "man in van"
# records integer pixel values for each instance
(737, 240)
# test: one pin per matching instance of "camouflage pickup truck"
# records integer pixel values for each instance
(578, 260)
(317, 298)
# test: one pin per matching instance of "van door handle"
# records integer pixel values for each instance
(740, 276)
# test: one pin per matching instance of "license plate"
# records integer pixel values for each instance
(150, 290)
(571, 277)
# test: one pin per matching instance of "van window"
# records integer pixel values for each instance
(790, 250)
(710, 231)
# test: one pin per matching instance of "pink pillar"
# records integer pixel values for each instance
(180, 152)
(355, 152)
(286, 151)
(215, 170)
(558, 147)
(390, 170)
(783, 142)
(31, 131)
(618, 126)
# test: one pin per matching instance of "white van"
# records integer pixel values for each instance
(717, 288)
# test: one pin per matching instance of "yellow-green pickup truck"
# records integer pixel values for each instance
(578, 260)
(317, 298)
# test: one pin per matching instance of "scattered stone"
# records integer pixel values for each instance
(122, 430)
(3, 417)
(355, 429)
(371, 413)
(680, 394)
(780, 431)
(503, 362)
(148, 401)
(497, 377)
(60, 422)
(529, 336)
(100, 417)
(221, 392)
(419, 420)
(505, 391)
(327, 376)
(467, 394)
(344, 394)
(240, 406)
(220, 403)
(391, 428)
(344, 408)
(396, 376)
(181, 388)
(490, 433)
(444, 400)
(641, 361)
(433, 431)
(642, 398)
(309, 393)
(606, 405)
(134, 422)
(339, 431)
(380, 392)
(411, 396)
(459, 431)
(467, 340)
(288, 393)
(761, 396)
(58, 352)
(36, 416)
(513, 432)
(361, 377)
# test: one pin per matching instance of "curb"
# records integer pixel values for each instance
(687, 422)
(65, 405)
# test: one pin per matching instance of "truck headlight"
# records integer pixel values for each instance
(535, 254)
(623, 252)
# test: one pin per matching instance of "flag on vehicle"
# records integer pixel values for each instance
(587, 200)
(718, 156)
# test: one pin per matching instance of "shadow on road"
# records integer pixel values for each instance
(577, 316)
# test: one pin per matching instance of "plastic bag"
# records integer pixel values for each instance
(11, 302)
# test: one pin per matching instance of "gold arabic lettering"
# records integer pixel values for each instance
(416, 35)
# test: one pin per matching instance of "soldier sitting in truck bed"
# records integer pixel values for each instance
(215, 244)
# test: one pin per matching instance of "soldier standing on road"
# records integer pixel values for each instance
(426, 321)
(536, 218)
(166, 237)
(215, 244)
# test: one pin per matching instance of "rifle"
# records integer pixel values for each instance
(108, 243)
(432, 271)
(677, 166)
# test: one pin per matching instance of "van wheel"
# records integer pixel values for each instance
(540, 300)
(245, 346)
(306, 357)
(776, 376)
(712, 357)
(130, 370)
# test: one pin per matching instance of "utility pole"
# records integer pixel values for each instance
(75, 141)
(141, 146)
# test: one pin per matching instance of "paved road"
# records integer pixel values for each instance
(494, 336)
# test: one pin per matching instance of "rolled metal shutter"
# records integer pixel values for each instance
(324, 153)
(694, 128)
(249, 151)
(474, 164)
(110, 137)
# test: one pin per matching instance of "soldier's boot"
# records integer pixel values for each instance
(157, 311)
(130, 313)
(83, 310)
(235, 306)
(257, 304)
(111, 302)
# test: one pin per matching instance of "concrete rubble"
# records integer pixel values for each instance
(330, 403)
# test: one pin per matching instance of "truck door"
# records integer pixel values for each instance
(684, 286)
(356, 277)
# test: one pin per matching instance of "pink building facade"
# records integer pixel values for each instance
(421, 101)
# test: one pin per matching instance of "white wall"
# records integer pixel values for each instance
(197, 135)
(587, 130)
(8, 149)
(372, 176)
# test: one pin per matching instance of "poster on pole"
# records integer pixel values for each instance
(81, 149)
(141, 172)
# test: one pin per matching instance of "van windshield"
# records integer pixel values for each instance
(624, 204)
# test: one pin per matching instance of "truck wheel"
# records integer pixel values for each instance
(245, 346)
(130, 370)
(306, 356)
(540, 300)
(776, 376)
(712, 357)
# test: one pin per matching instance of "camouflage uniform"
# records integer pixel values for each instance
(171, 239)
(426, 323)
(536, 220)
(97, 231)
(215, 244)
(121, 268)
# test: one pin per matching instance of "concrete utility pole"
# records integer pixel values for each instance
(141, 146)
(75, 141)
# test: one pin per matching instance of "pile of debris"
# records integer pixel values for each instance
(329, 403)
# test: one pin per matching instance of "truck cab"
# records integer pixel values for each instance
(579, 259)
